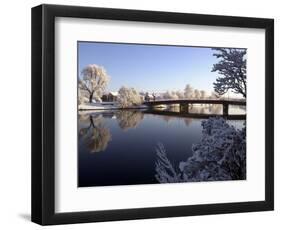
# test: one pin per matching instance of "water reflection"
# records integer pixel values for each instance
(200, 109)
(212, 109)
(95, 136)
(166, 118)
(188, 121)
(128, 119)
(126, 141)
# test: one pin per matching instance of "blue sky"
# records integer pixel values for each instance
(150, 68)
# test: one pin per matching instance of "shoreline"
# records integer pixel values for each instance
(100, 106)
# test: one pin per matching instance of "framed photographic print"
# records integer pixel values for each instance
(142, 114)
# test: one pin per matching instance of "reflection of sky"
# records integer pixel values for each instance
(149, 67)
(130, 155)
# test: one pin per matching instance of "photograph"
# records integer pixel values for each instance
(153, 114)
(148, 113)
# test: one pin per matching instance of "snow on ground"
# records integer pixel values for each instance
(106, 106)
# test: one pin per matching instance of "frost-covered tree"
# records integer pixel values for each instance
(203, 94)
(180, 94)
(197, 94)
(174, 95)
(220, 155)
(232, 70)
(214, 95)
(166, 172)
(170, 95)
(82, 96)
(94, 80)
(128, 97)
(188, 91)
(165, 95)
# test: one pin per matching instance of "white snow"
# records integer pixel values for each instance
(106, 106)
(220, 155)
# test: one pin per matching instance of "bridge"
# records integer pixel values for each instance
(184, 103)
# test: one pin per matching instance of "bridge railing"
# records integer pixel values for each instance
(197, 99)
(184, 103)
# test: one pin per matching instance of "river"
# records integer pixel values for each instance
(118, 147)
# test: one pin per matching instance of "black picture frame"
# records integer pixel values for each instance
(43, 114)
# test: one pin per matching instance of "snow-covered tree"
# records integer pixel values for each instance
(166, 95)
(170, 95)
(82, 96)
(180, 94)
(197, 94)
(232, 70)
(94, 80)
(203, 94)
(128, 97)
(214, 95)
(166, 172)
(188, 91)
(220, 155)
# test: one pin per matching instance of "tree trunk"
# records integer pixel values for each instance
(91, 98)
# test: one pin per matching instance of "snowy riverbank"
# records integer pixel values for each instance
(106, 106)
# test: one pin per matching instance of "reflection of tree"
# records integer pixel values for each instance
(167, 118)
(187, 121)
(174, 108)
(95, 136)
(216, 109)
(128, 119)
(206, 109)
(198, 109)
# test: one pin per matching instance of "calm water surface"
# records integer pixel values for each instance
(118, 147)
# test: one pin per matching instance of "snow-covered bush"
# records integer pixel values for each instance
(220, 155)
(128, 97)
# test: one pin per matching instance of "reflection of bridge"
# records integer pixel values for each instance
(184, 103)
(194, 115)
